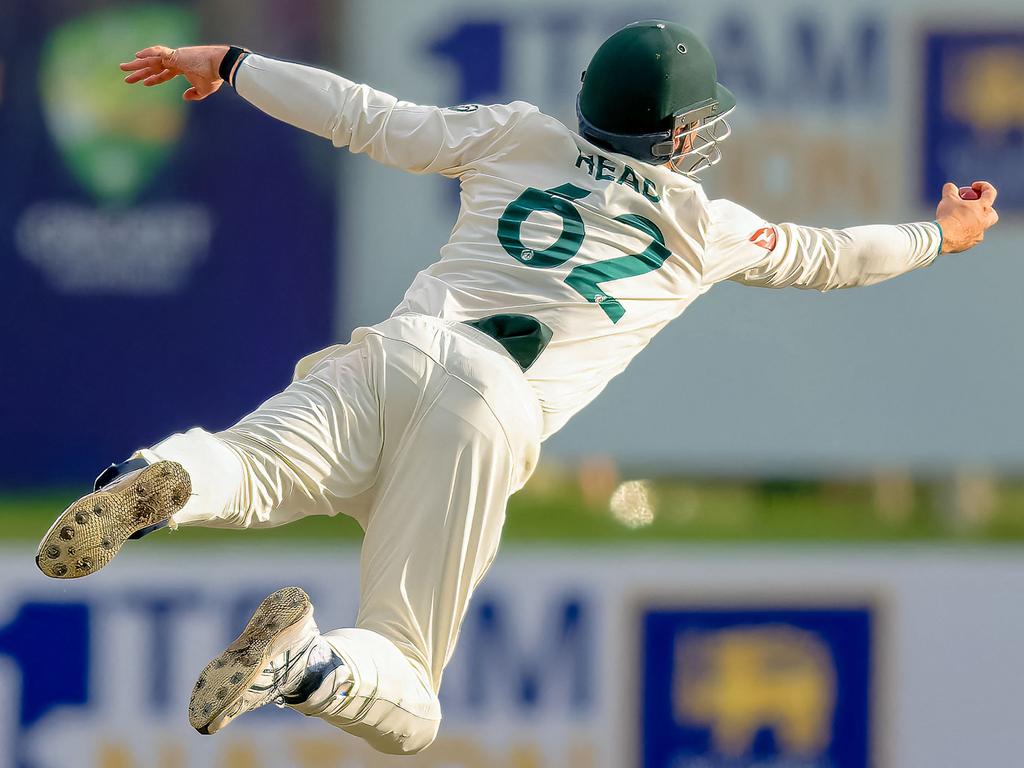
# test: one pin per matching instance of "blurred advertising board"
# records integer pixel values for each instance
(849, 114)
(974, 108)
(763, 684)
(728, 658)
(160, 268)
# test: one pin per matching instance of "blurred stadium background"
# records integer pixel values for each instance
(789, 536)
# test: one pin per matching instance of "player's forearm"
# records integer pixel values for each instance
(308, 98)
(825, 259)
(350, 114)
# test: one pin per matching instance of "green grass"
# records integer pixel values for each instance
(27, 515)
(555, 508)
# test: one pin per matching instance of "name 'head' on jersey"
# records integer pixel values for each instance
(652, 92)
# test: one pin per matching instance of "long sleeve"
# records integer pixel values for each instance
(415, 138)
(744, 248)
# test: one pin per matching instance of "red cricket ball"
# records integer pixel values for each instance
(968, 193)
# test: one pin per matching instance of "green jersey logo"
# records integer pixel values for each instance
(113, 138)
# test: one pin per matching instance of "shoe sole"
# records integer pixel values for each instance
(93, 529)
(216, 696)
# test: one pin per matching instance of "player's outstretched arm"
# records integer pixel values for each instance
(421, 139)
(742, 247)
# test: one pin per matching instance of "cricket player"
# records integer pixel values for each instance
(571, 250)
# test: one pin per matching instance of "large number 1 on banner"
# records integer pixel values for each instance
(584, 278)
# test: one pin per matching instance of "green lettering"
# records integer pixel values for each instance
(629, 177)
(556, 201)
(588, 159)
(602, 165)
(585, 279)
(651, 191)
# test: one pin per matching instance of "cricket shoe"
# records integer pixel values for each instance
(128, 501)
(279, 658)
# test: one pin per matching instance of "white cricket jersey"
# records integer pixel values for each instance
(603, 249)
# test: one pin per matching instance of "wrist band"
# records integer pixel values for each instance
(229, 64)
(942, 236)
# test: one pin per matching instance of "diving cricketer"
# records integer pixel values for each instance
(572, 249)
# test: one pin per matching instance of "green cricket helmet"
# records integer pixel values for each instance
(650, 87)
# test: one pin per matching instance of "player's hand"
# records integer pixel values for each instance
(198, 64)
(964, 222)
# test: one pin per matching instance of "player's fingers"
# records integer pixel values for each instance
(950, 190)
(986, 191)
(993, 217)
(159, 77)
(142, 74)
(131, 66)
(153, 50)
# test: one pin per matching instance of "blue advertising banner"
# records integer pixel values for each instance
(162, 264)
(734, 686)
(99, 673)
(557, 664)
(974, 112)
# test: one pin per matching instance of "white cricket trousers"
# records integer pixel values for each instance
(420, 429)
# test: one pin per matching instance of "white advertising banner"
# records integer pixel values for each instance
(604, 658)
(855, 113)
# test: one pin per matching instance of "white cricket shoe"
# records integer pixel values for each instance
(279, 658)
